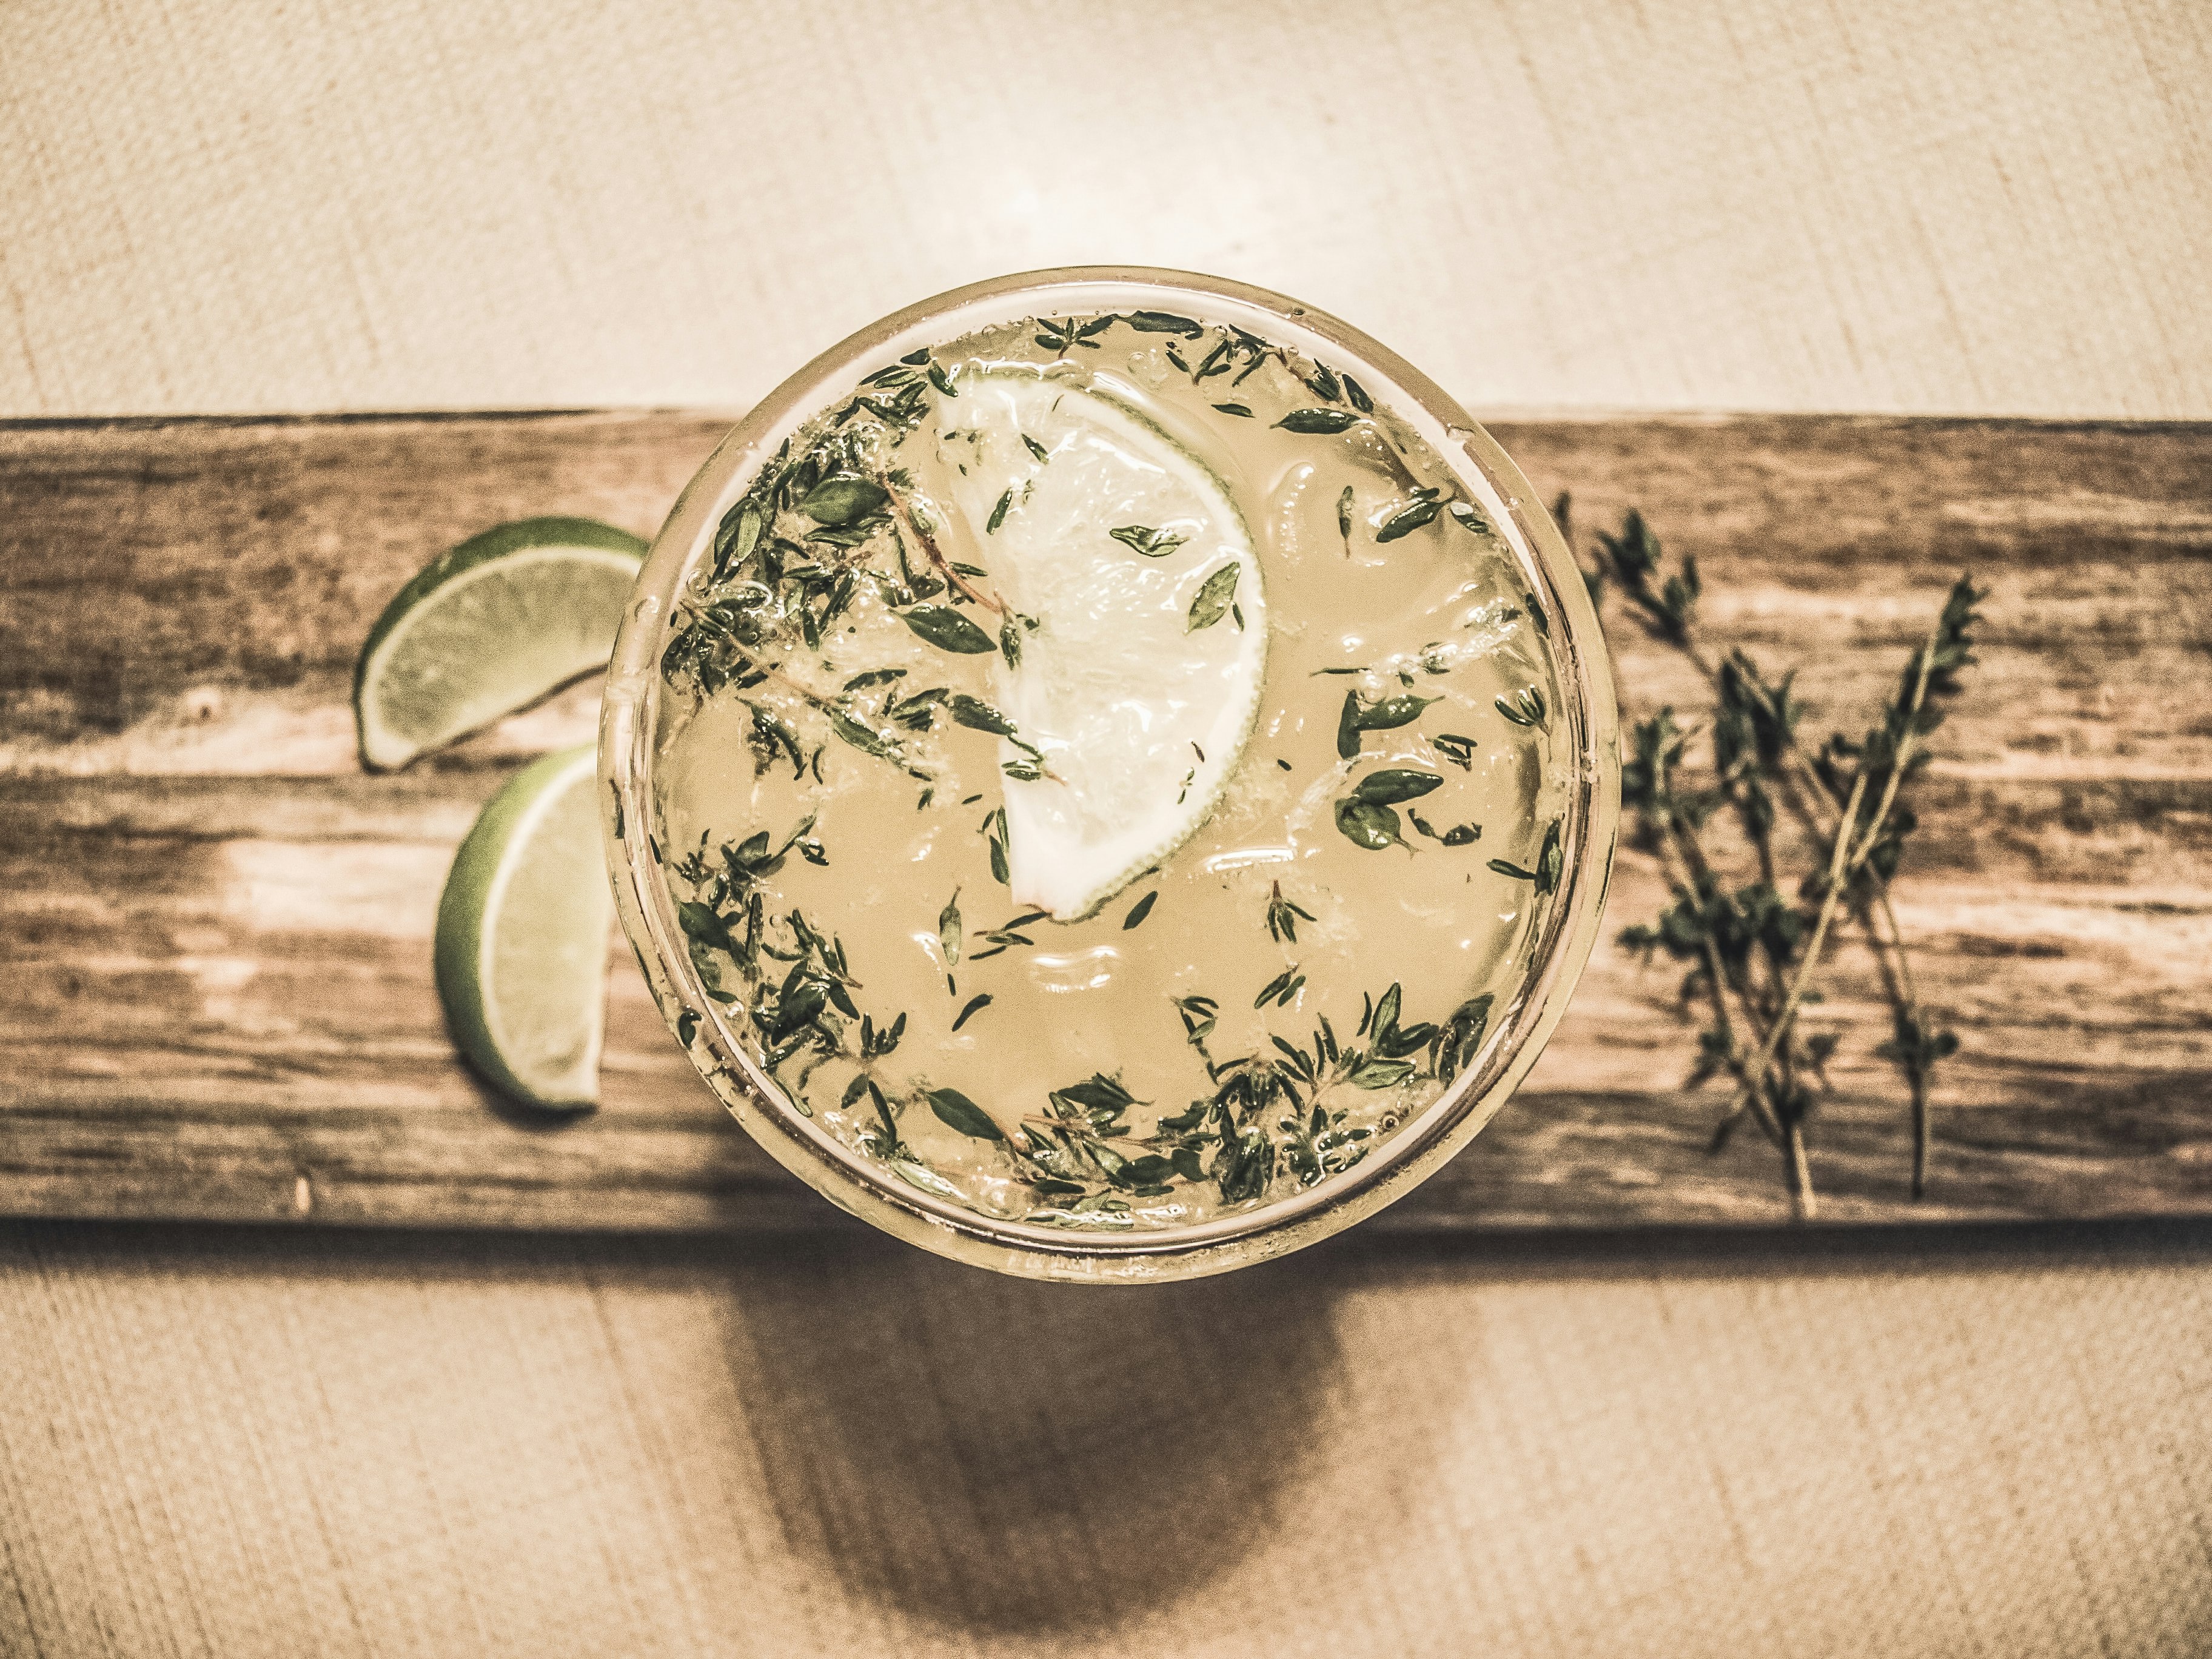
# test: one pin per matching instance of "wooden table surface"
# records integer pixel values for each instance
(246, 1440)
(197, 871)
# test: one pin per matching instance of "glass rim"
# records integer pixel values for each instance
(630, 710)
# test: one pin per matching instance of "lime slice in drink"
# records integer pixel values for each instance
(1139, 620)
(489, 628)
(521, 954)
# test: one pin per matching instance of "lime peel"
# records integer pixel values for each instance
(521, 949)
(488, 628)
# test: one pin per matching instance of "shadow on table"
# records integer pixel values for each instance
(1002, 1455)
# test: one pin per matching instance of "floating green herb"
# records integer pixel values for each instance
(1064, 336)
(979, 716)
(947, 630)
(863, 736)
(772, 736)
(1459, 751)
(1422, 510)
(1551, 861)
(995, 833)
(842, 498)
(1526, 708)
(1460, 834)
(1213, 597)
(1319, 423)
(1384, 715)
(956, 1111)
(1139, 910)
(948, 930)
(1163, 322)
(1283, 916)
(1368, 823)
(1392, 786)
(1153, 544)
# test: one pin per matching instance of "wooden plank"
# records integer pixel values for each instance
(214, 994)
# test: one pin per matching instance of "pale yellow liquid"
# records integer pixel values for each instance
(1095, 996)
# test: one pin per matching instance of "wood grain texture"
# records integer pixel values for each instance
(214, 930)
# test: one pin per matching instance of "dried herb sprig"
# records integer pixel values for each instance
(1755, 954)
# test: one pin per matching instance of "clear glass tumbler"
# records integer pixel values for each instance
(1588, 722)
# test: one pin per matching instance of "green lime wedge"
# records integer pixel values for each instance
(489, 628)
(521, 954)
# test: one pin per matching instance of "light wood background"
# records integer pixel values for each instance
(243, 1442)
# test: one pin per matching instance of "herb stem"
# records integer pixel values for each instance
(1816, 808)
(1801, 1174)
(1903, 753)
(935, 554)
(1896, 966)
(817, 698)
(1751, 1097)
(1780, 1029)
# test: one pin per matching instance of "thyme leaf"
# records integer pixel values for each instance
(948, 930)
(1459, 751)
(1527, 708)
(1408, 518)
(841, 499)
(1393, 785)
(1153, 544)
(1283, 916)
(1318, 422)
(979, 716)
(1368, 823)
(1163, 322)
(957, 1111)
(947, 630)
(1385, 714)
(1214, 598)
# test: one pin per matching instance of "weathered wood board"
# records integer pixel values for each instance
(215, 978)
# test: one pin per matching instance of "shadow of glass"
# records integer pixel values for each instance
(991, 1453)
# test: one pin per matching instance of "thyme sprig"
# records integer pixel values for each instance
(1755, 953)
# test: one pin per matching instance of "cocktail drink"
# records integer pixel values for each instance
(1111, 774)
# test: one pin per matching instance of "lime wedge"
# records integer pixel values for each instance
(521, 954)
(1141, 679)
(489, 628)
